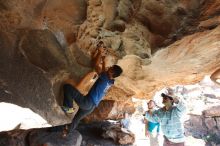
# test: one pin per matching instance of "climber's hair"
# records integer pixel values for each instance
(117, 71)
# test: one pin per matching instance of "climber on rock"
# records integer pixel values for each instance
(105, 80)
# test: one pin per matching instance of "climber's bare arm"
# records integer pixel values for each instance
(86, 82)
(98, 61)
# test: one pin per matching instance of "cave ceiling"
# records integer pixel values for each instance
(158, 43)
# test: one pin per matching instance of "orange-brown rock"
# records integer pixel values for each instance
(158, 43)
(110, 109)
(184, 62)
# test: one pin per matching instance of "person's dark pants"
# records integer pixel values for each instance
(86, 105)
(169, 143)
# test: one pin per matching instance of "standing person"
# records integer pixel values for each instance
(170, 119)
(152, 128)
(88, 102)
(126, 121)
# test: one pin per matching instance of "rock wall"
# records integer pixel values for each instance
(40, 137)
(205, 126)
(158, 43)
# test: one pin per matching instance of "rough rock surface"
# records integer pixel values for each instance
(93, 135)
(158, 43)
(39, 137)
(212, 112)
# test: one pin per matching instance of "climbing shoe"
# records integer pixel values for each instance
(68, 110)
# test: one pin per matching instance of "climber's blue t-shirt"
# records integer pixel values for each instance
(100, 88)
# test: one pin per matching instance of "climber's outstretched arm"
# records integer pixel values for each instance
(98, 59)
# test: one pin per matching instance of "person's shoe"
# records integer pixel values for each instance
(68, 110)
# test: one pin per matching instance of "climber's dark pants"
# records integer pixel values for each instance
(85, 103)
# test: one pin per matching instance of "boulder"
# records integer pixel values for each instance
(40, 137)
